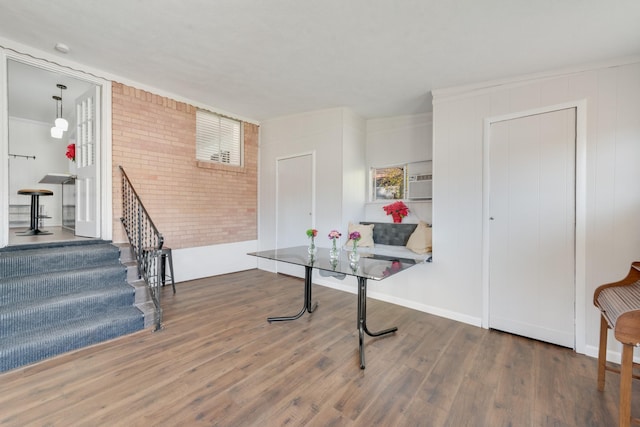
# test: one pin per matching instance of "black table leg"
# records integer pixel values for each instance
(307, 306)
(362, 319)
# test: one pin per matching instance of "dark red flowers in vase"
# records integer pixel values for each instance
(397, 210)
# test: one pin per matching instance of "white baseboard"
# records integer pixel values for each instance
(436, 311)
(612, 355)
(207, 261)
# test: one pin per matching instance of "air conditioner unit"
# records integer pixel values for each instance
(419, 187)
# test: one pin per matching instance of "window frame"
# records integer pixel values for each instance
(373, 194)
(212, 152)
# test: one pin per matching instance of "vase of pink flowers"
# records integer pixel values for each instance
(334, 253)
(312, 233)
(354, 256)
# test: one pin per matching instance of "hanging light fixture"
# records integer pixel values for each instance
(61, 123)
(56, 132)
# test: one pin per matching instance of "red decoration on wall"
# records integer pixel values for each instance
(71, 152)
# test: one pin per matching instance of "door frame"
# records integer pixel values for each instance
(580, 210)
(104, 163)
(313, 191)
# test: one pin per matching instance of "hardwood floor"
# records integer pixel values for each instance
(218, 362)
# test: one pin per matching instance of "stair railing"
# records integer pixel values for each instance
(145, 240)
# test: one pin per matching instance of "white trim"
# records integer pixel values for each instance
(461, 92)
(106, 164)
(4, 150)
(35, 54)
(580, 211)
(106, 189)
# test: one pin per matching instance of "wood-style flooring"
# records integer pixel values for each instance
(218, 362)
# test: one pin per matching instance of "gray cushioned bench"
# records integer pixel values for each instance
(392, 234)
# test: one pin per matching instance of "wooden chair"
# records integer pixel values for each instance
(619, 304)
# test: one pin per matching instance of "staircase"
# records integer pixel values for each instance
(62, 297)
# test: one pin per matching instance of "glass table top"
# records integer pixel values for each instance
(370, 266)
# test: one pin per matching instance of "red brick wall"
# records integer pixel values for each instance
(192, 203)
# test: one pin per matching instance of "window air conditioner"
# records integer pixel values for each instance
(419, 187)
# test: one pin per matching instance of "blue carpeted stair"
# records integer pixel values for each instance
(60, 298)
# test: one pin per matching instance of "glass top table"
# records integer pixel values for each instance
(369, 266)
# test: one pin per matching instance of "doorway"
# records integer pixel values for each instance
(32, 153)
(294, 206)
(532, 216)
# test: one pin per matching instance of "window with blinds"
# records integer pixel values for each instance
(218, 138)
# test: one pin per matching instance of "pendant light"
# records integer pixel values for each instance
(56, 132)
(61, 123)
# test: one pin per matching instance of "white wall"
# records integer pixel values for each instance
(31, 138)
(612, 210)
(395, 141)
(354, 176)
(336, 136)
(330, 133)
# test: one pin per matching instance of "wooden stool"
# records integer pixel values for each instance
(35, 209)
(165, 255)
(619, 304)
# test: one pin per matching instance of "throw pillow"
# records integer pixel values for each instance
(366, 235)
(420, 240)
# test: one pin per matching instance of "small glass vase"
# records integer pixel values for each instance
(334, 253)
(354, 256)
(312, 248)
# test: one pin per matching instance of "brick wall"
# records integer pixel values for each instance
(192, 203)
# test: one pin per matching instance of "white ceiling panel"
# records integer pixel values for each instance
(264, 59)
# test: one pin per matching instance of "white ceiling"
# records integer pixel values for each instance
(31, 92)
(264, 59)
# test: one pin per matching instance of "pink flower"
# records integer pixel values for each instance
(355, 236)
(334, 234)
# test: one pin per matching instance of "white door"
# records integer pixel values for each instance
(532, 226)
(294, 205)
(87, 151)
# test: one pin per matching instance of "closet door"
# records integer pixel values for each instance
(294, 205)
(532, 226)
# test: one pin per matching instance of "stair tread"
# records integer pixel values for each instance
(121, 313)
(111, 289)
(115, 264)
(47, 342)
(107, 247)
(45, 286)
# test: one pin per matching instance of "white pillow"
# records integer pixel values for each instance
(420, 240)
(366, 235)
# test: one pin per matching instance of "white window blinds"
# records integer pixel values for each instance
(218, 138)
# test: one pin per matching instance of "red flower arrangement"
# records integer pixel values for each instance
(394, 268)
(397, 210)
(71, 152)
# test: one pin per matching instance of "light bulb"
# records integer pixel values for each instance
(62, 124)
(56, 132)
